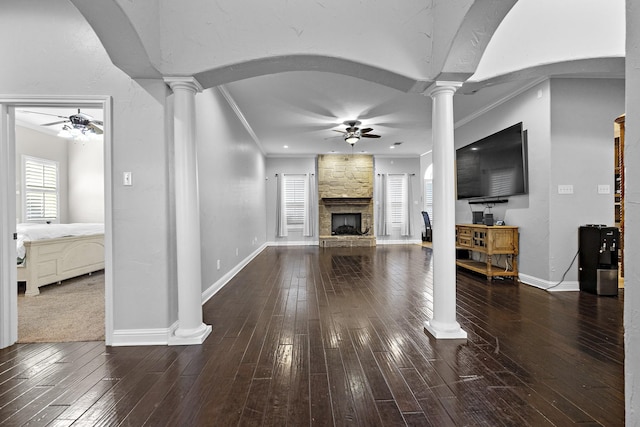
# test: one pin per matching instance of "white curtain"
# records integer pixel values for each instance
(309, 205)
(383, 212)
(405, 225)
(281, 208)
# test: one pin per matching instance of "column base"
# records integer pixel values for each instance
(193, 336)
(449, 331)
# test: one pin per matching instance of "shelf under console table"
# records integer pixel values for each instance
(490, 241)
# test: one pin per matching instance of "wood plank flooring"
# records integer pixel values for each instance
(311, 336)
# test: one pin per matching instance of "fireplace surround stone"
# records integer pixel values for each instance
(345, 186)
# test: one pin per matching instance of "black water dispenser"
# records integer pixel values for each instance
(598, 259)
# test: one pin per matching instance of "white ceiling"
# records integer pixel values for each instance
(302, 110)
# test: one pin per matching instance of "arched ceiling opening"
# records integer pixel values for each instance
(358, 58)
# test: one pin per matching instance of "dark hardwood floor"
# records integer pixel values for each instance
(305, 335)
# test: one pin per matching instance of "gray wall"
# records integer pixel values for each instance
(582, 115)
(284, 165)
(529, 212)
(570, 138)
(632, 216)
(231, 180)
(308, 165)
(142, 230)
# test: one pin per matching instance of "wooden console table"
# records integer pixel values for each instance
(489, 240)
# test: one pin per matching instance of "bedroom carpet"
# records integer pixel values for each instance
(70, 311)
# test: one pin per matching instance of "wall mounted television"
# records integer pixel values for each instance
(493, 167)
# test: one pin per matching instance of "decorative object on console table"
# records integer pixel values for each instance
(492, 241)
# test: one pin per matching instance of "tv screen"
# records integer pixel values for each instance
(495, 166)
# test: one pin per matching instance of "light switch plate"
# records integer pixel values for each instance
(604, 189)
(126, 178)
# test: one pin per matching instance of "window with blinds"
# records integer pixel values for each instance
(428, 191)
(40, 189)
(294, 201)
(428, 197)
(396, 193)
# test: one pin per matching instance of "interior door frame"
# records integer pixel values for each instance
(8, 273)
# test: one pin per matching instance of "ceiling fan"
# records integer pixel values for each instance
(79, 123)
(352, 134)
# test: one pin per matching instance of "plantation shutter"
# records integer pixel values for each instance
(395, 193)
(294, 199)
(41, 189)
(428, 197)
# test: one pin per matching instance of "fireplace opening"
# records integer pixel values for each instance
(346, 223)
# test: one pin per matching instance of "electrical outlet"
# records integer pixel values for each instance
(565, 189)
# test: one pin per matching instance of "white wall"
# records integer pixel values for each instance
(36, 144)
(231, 179)
(284, 165)
(395, 165)
(86, 180)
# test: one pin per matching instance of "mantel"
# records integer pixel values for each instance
(346, 200)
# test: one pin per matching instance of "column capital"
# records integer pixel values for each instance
(442, 86)
(188, 83)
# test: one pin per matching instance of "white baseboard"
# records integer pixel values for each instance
(549, 286)
(215, 287)
(380, 242)
(292, 243)
(131, 337)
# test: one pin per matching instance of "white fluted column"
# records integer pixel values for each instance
(191, 329)
(444, 323)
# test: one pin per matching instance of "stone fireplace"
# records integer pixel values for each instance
(345, 191)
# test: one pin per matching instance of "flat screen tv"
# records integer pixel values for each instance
(493, 167)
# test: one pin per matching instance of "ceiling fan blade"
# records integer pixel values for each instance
(97, 122)
(341, 131)
(369, 135)
(44, 114)
(366, 130)
(55, 123)
(95, 129)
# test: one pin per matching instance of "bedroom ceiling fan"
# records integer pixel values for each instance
(353, 133)
(75, 124)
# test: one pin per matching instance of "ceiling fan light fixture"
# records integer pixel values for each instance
(351, 138)
(65, 132)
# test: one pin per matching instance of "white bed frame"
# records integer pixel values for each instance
(53, 260)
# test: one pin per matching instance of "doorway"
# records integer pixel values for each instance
(11, 194)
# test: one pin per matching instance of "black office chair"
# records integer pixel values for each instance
(426, 235)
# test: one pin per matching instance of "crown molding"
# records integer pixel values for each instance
(499, 102)
(238, 112)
